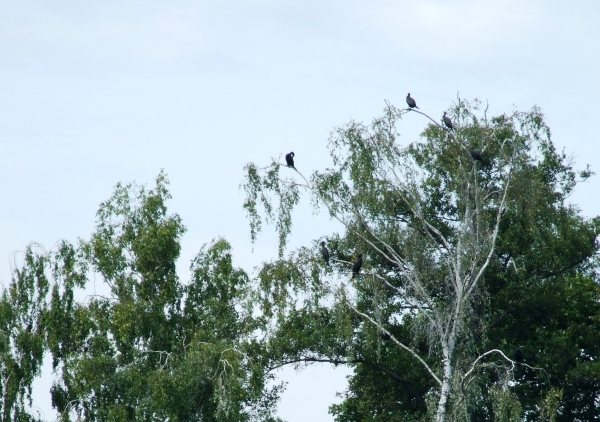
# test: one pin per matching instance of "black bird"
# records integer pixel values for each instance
(476, 156)
(411, 101)
(356, 266)
(385, 336)
(518, 355)
(289, 159)
(325, 253)
(447, 121)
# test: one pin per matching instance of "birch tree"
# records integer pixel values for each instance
(22, 338)
(426, 216)
(146, 346)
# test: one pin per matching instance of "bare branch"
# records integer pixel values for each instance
(402, 345)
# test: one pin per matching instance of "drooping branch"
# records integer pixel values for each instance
(399, 343)
(507, 359)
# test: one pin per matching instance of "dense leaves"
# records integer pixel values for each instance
(490, 246)
(129, 340)
(464, 259)
(22, 343)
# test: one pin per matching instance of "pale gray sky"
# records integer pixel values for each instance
(96, 93)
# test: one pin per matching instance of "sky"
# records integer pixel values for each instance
(96, 93)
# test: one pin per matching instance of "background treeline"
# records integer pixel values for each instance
(148, 346)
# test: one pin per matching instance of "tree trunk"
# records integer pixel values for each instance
(446, 387)
(448, 346)
(5, 413)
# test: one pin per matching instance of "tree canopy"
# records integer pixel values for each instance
(472, 250)
(477, 297)
(146, 346)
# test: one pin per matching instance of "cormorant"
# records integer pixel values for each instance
(356, 266)
(447, 121)
(289, 159)
(518, 355)
(411, 101)
(325, 253)
(385, 336)
(476, 156)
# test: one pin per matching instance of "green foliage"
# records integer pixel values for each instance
(440, 231)
(22, 316)
(505, 405)
(550, 404)
(259, 191)
(463, 261)
(152, 348)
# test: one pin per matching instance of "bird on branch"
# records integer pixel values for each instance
(518, 355)
(289, 159)
(447, 121)
(357, 265)
(325, 253)
(411, 101)
(477, 156)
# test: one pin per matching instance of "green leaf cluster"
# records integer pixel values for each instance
(140, 345)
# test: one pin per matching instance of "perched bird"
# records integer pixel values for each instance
(385, 336)
(518, 355)
(447, 121)
(325, 253)
(356, 266)
(476, 156)
(289, 159)
(411, 101)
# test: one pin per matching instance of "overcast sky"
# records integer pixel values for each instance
(93, 93)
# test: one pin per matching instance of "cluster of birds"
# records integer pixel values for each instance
(448, 123)
(413, 104)
(289, 159)
(355, 268)
(476, 156)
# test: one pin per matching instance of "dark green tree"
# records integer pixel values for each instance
(453, 243)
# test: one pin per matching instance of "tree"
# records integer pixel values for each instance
(22, 308)
(541, 293)
(435, 226)
(144, 346)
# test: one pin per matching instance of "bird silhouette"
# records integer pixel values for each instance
(325, 253)
(411, 101)
(289, 159)
(518, 355)
(476, 156)
(356, 266)
(447, 121)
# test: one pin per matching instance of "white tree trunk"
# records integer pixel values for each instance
(445, 392)
(448, 346)
(5, 398)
